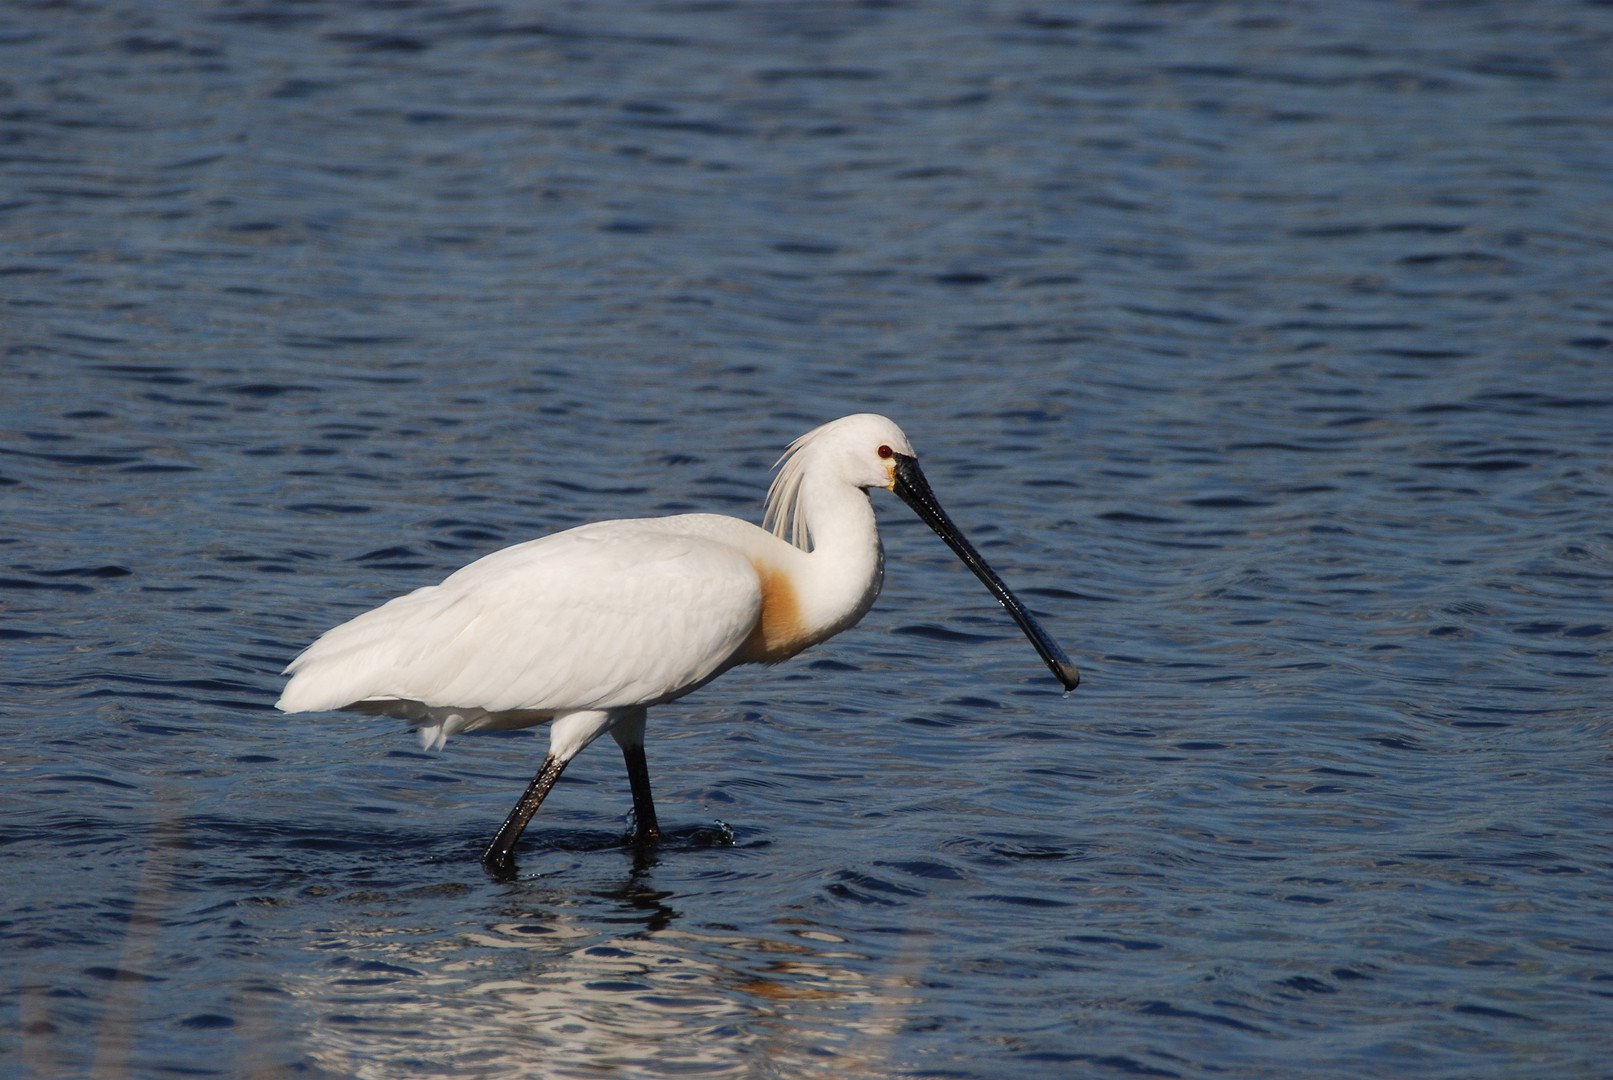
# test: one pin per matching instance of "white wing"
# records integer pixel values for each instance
(606, 615)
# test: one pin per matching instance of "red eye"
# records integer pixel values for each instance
(885, 451)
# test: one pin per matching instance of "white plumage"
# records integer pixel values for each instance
(541, 628)
(589, 627)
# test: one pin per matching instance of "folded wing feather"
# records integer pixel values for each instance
(605, 615)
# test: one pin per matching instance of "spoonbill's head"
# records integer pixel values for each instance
(861, 450)
(870, 451)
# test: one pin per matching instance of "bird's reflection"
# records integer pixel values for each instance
(537, 990)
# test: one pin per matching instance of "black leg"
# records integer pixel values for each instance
(499, 858)
(638, 775)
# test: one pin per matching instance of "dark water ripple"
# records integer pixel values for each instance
(1263, 349)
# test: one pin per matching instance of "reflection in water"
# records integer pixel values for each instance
(542, 993)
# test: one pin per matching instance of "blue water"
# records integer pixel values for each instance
(1266, 349)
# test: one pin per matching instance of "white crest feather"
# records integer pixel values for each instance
(783, 515)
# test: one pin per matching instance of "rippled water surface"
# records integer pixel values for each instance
(1265, 348)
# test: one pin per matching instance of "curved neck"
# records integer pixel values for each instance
(839, 579)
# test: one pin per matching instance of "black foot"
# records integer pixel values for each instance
(499, 864)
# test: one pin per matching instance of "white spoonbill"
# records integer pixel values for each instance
(586, 629)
